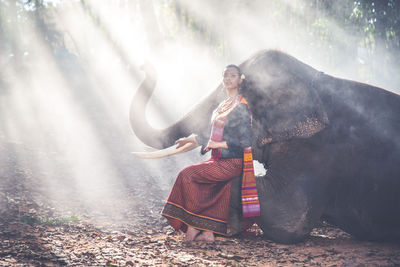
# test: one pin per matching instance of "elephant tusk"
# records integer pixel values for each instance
(149, 149)
(172, 150)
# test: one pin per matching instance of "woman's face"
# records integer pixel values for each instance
(231, 79)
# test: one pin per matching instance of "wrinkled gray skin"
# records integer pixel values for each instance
(331, 148)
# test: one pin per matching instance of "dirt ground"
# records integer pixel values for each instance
(34, 231)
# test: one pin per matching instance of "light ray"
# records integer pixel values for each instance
(74, 103)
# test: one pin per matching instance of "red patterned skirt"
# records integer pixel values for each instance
(201, 194)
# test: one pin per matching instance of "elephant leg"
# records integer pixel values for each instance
(288, 223)
(294, 191)
(285, 219)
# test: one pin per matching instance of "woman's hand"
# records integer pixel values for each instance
(212, 144)
(185, 140)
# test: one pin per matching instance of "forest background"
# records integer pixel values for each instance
(68, 71)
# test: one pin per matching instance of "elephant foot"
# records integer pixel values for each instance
(284, 236)
(191, 234)
(206, 236)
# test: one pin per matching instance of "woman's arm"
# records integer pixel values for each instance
(213, 144)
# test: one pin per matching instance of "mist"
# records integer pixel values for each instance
(65, 96)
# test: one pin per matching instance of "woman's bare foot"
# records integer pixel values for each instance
(205, 236)
(191, 234)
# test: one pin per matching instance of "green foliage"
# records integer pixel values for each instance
(49, 220)
(378, 20)
(16, 20)
(372, 25)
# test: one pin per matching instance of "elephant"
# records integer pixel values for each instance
(330, 147)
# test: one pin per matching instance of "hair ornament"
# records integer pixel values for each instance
(242, 77)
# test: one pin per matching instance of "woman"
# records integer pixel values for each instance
(199, 200)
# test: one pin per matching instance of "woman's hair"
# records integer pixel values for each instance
(242, 87)
(235, 67)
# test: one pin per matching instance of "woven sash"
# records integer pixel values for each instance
(250, 201)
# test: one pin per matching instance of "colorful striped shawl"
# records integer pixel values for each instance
(250, 201)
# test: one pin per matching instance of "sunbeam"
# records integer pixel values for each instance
(84, 83)
(69, 70)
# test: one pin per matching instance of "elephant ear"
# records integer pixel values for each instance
(283, 100)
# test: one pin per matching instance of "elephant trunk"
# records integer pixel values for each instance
(196, 121)
(143, 130)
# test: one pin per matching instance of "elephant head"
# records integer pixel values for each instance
(282, 99)
(280, 93)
